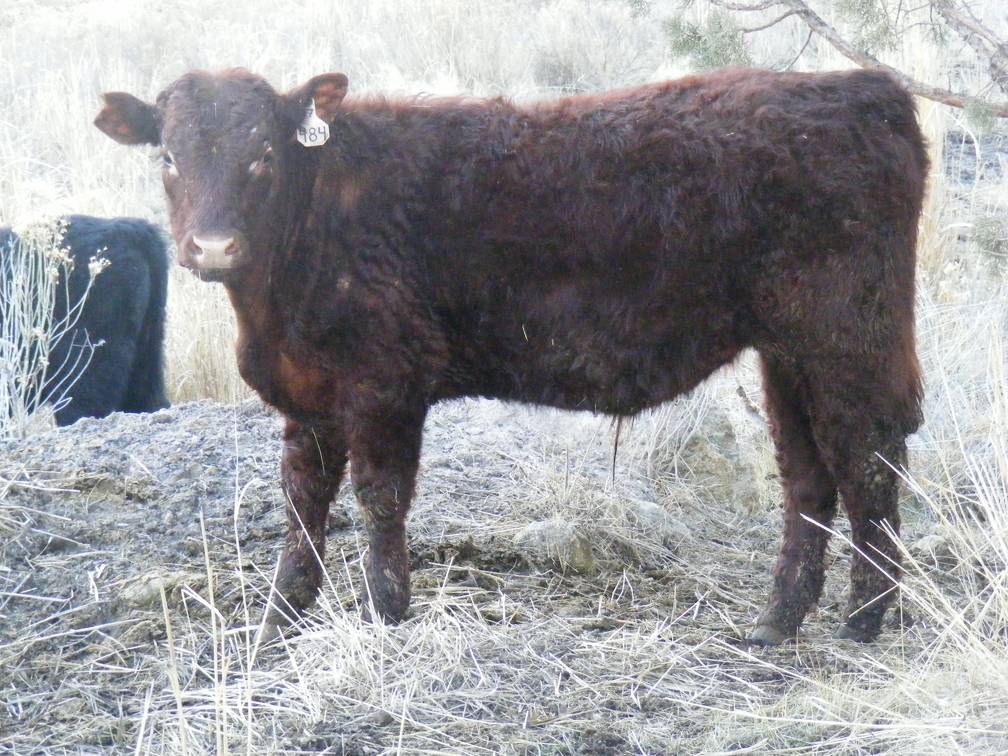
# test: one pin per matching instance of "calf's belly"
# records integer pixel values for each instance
(619, 379)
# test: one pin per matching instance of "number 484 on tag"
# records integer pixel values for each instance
(313, 131)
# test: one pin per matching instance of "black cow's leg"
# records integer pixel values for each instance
(145, 391)
(314, 461)
(809, 492)
(385, 453)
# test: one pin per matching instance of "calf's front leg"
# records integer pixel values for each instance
(385, 453)
(314, 461)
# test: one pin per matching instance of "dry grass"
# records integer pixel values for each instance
(638, 657)
(200, 342)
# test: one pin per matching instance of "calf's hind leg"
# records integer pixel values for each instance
(861, 415)
(809, 492)
(314, 461)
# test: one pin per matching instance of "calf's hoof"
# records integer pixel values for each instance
(859, 634)
(385, 606)
(767, 635)
(278, 619)
(295, 590)
(386, 600)
(384, 616)
(387, 586)
(269, 631)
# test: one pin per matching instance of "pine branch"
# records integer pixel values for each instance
(983, 41)
(821, 27)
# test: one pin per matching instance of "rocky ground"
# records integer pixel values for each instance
(135, 550)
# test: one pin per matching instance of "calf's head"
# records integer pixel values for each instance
(228, 153)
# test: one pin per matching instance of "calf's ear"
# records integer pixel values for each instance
(129, 120)
(328, 91)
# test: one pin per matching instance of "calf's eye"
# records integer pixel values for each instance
(168, 163)
(264, 163)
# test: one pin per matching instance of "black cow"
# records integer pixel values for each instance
(125, 311)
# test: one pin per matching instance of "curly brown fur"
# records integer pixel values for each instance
(602, 253)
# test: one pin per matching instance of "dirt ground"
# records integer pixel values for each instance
(102, 519)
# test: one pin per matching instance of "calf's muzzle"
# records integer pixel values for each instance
(219, 250)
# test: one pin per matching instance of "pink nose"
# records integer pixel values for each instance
(215, 251)
(216, 245)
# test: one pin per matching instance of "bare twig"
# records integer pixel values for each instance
(801, 52)
(768, 24)
(747, 7)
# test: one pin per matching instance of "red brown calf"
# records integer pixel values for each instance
(602, 253)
